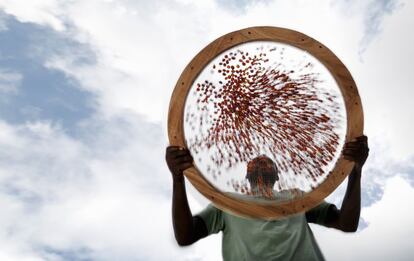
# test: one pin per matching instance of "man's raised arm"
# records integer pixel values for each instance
(187, 229)
(347, 218)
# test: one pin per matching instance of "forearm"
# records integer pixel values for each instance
(182, 217)
(351, 205)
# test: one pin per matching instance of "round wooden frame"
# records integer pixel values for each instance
(266, 33)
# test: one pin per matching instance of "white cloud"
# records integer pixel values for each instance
(390, 227)
(100, 194)
(384, 79)
(140, 50)
(3, 26)
(374, 13)
(44, 12)
(9, 81)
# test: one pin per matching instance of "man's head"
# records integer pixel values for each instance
(262, 171)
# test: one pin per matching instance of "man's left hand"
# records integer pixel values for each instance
(357, 151)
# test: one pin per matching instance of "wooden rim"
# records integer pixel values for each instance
(342, 77)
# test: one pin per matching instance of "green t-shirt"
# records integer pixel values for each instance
(289, 238)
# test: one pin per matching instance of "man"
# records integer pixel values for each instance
(262, 174)
(288, 238)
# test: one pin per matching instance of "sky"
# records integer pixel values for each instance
(84, 93)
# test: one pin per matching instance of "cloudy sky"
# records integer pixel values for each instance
(84, 92)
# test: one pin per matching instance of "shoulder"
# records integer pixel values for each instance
(212, 218)
(321, 213)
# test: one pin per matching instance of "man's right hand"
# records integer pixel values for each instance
(178, 159)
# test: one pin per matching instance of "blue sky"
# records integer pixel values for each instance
(42, 93)
(84, 92)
